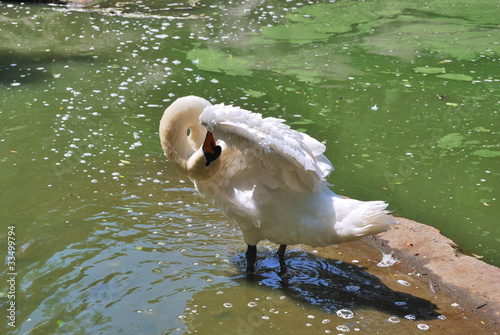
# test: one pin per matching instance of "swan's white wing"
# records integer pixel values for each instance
(295, 158)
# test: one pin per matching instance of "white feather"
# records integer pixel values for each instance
(295, 158)
(270, 180)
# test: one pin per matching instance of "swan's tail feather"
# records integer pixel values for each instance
(363, 218)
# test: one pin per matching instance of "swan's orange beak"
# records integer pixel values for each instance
(210, 149)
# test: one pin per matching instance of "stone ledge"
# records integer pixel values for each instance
(425, 250)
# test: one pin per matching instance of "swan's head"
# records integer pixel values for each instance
(187, 144)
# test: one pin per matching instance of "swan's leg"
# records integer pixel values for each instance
(281, 257)
(251, 257)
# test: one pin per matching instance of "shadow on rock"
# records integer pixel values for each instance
(335, 285)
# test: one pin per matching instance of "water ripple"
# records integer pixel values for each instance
(335, 286)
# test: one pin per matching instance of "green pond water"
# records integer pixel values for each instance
(111, 239)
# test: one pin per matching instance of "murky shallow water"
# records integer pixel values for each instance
(109, 237)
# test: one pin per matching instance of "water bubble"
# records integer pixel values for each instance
(325, 321)
(423, 326)
(394, 319)
(352, 288)
(400, 303)
(227, 305)
(252, 304)
(343, 328)
(441, 317)
(345, 313)
(410, 317)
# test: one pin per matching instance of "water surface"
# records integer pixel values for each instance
(404, 95)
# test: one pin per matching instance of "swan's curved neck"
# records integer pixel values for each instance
(182, 137)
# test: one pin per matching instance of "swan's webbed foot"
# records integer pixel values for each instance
(281, 257)
(251, 257)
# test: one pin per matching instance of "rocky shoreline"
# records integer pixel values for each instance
(421, 249)
(462, 292)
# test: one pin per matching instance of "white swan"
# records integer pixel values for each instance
(266, 178)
